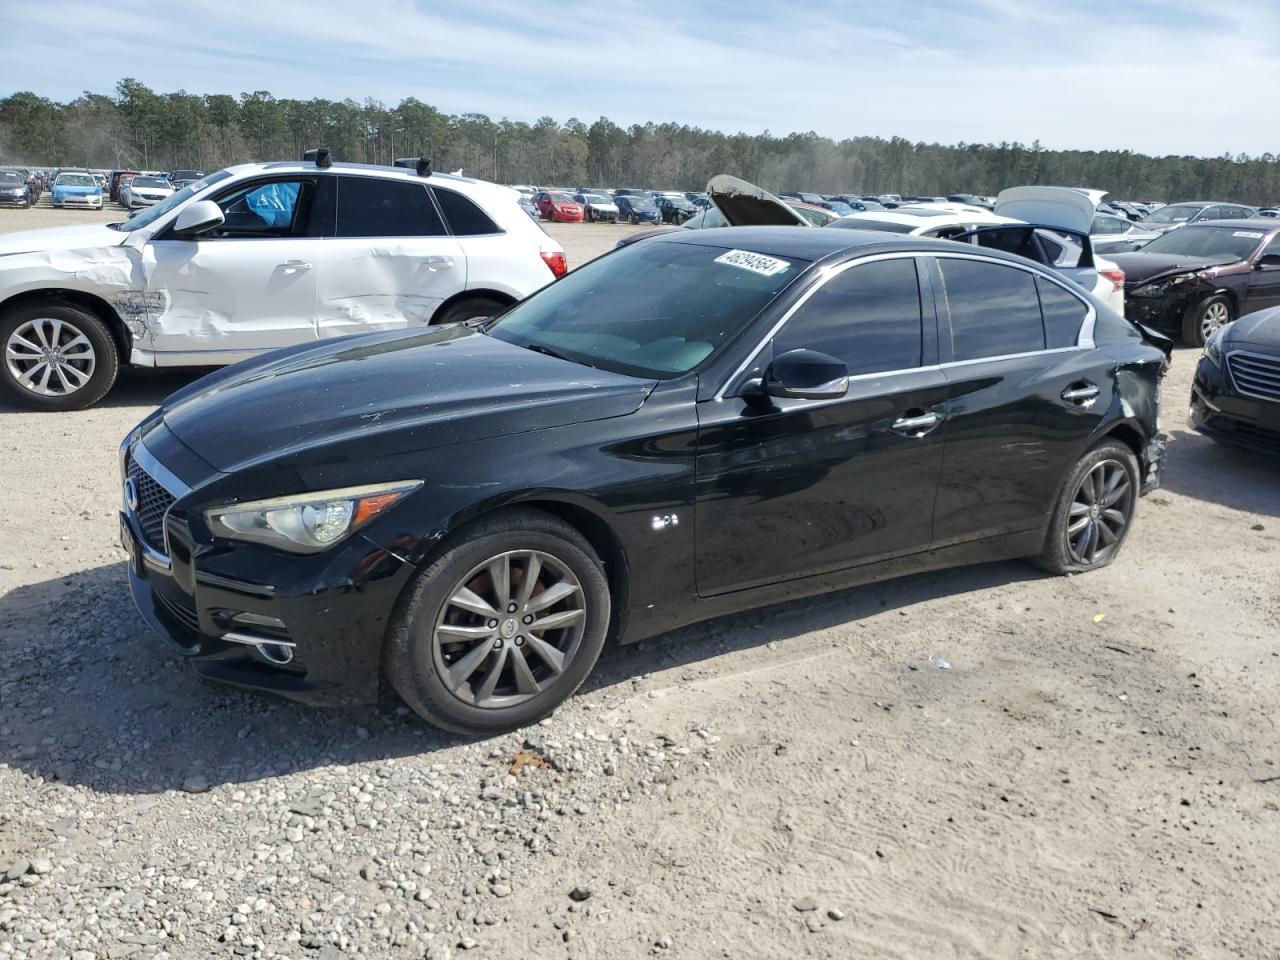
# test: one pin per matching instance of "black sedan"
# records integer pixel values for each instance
(679, 429)
(15, 191)
(1193, 280)
(1236, 394)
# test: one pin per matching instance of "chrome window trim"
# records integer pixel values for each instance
(1269, 357)
(1084, 340)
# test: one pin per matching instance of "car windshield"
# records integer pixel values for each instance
(76, 180)
(1196, 241)
(148, 182)
(155, 212)
(562, 198)
(595, 198)
(11, 178)
(184, 175)
(840, 207)
(649, 309)
(1177, 213)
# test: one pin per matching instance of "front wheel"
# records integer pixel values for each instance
(1204, 319)
(473, 308)
(57, 356)
(1094, 511)
(502, 627)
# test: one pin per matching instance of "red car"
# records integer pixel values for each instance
(553, 205)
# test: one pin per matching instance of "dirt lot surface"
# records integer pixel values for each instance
(1096, 774)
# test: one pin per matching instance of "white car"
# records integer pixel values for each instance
(145, 191)
(1060, 219)
(254, 258)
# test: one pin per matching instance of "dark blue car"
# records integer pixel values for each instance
(637, 210)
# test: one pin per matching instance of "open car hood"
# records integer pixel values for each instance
(746, 205)
(1063, 207)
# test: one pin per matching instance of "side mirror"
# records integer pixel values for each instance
(1268, 260)
(198, 217)
(806, 375)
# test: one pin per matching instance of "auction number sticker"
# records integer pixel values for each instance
(755, 262)
(1248, 234)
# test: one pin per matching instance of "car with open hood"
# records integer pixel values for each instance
(1235, 397)
(253, 258)
(1191, 281)
(701, 423)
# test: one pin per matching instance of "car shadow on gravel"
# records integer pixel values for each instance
(1232, 476)
(89, 698)
(137, 387)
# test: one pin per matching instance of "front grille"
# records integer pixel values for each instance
(1255, 434)
(1256, 375)
(154, 502)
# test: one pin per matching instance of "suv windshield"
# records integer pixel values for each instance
(154, 213)
(1197, 241)
(1174, 213)
(649, 309)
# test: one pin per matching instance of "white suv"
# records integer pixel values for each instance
(257, 257)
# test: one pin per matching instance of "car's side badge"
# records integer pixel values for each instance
(670, 520)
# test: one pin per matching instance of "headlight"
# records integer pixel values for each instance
(307, 522)
(1213, 346)
(1160, 287)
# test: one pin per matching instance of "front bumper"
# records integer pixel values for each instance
(1160, 313)
(89, 203)
(1218, 410)
(234, 610)
(8, 200)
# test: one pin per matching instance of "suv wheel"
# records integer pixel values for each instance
(1094, 511)
(1205, 318)
(473, 308)
(57, 356)
(503, 627)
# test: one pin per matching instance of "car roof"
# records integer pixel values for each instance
(818, 243)
(306, 166)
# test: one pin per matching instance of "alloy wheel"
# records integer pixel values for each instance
(50, 357)
(1100, 512)
(509, 629)
(1215, 315)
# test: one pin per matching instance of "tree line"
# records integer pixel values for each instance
(138, 127)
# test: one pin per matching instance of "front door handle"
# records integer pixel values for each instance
(1082, 394)
(916, 426)
(438, 263)
(295, 266)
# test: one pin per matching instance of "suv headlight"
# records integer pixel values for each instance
(1213, 346)
(307, 522)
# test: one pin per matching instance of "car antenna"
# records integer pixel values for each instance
(320, 155)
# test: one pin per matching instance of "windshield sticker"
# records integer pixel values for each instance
(755, 262)
(1248, 234)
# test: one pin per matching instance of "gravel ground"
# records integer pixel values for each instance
(1095, 774)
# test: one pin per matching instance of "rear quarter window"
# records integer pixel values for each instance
(1063, 314)
(465, 219)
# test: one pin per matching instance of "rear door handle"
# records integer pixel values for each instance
(1082, 394)
(916, 426)
(295, 266)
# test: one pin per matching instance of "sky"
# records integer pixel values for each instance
(1171, 77)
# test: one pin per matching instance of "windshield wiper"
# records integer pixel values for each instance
(549, 352)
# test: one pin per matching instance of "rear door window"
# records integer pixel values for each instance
(1063, 314)
(994, 309)
(868, 316)
(373, 207)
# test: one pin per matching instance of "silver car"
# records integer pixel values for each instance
(145, 191)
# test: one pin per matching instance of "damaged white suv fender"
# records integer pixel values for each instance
(257, 257)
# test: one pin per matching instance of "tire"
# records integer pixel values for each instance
(1076, 505)
(635, 221)
(91, 359)
(1204, 318)
(469, 309)
(416, 660)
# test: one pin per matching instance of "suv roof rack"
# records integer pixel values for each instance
(320, 155)
(420, 164)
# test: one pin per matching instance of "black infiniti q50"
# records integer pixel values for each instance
(692, 425)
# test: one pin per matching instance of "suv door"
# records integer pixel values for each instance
(246, 287)
(390, 263)
(1027, 390)
(792, 487)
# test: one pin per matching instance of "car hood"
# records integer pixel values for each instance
(60, 238)
(448, 385)
(746, 205)
(1261, 329)
(1142, 267)
(1064, 207)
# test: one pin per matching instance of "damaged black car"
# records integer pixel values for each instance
(1195, 279)
(701, 423)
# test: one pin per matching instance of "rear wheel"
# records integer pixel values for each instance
(473, 308)
(57, 356)
(1204, 319)
(1094, 511)
(503, 627)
